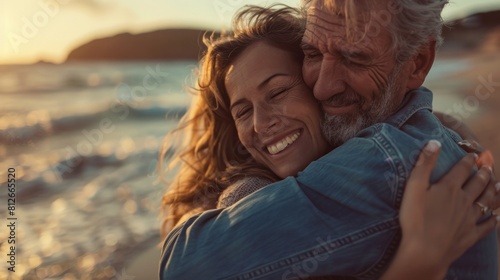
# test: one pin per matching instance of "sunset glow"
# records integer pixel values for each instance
(33, 30)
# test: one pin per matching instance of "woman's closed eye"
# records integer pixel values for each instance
(242, 112)
(277, 93)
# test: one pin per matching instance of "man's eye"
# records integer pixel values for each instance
(353, 58)
(312, 54)
(354, 63)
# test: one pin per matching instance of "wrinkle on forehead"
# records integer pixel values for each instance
(333, 7)
(349, 19)
(326, 32)
(342, 7)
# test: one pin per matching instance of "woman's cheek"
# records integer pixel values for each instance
(245, 136)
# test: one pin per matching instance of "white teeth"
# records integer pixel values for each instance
(281, 145)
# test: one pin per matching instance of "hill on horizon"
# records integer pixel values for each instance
(477, 31)
(166, 44)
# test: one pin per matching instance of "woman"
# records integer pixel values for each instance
(265, 104)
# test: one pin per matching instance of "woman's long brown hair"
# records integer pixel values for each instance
(204, 149)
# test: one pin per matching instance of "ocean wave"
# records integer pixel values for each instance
(24, 128)
(47, 179)
(52, 78)
(158, 112)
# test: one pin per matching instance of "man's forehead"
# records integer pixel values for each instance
(327, 6)
(342, 7)
(351, 14)
(321, 22)
(347, 20)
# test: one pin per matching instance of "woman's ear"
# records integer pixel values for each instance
(422, 63)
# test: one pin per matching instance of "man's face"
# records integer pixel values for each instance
(356, 80)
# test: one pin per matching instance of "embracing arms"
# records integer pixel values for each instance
(439, 223)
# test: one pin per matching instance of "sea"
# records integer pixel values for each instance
(82, 140)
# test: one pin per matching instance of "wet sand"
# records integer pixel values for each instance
(476, 97)
(482, 87)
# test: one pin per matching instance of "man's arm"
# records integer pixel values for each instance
(338, 217)
(287, 227)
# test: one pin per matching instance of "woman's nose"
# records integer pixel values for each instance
(265, 119)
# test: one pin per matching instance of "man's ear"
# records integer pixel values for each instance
(422, 63)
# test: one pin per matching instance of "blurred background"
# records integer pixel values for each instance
(88, 90)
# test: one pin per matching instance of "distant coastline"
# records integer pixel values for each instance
(166, 44)
(476, 32)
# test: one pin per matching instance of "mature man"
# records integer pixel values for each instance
(366, 62)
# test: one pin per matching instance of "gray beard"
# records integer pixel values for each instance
(338, 129)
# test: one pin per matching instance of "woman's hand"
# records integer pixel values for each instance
(440, 222)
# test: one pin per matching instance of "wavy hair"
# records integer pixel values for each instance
(413, 23)
(204, 149)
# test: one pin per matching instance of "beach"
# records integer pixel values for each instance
(84, 140)
(90, 89)
(477, 101)
(476, 96)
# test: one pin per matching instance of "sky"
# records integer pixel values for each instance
(31, 30)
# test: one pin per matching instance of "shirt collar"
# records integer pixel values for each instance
(414, 101)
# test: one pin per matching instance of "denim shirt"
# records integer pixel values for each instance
(338, 219)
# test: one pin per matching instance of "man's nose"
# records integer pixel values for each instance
(265, 119)
(331, 80)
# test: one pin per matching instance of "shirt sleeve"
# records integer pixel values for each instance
(343, 206)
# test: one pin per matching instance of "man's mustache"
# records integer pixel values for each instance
(343, 99)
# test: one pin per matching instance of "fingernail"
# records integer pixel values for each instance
(476, 156)
(433, 146)
(482, 173)
(486, 169)
(498, 218)
(497, 186)
(489, 169)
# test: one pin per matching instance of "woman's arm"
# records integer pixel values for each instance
(439, 223)
(437, 228)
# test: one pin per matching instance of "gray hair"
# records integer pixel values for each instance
(412, 23)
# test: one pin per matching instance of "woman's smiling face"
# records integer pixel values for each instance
(276, 115)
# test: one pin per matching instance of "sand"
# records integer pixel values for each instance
(143, 264)
(477, 91)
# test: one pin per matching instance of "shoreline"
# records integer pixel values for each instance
(142, 261)
(477, 90)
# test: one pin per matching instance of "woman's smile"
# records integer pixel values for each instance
(282, 144)
(275, 113)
